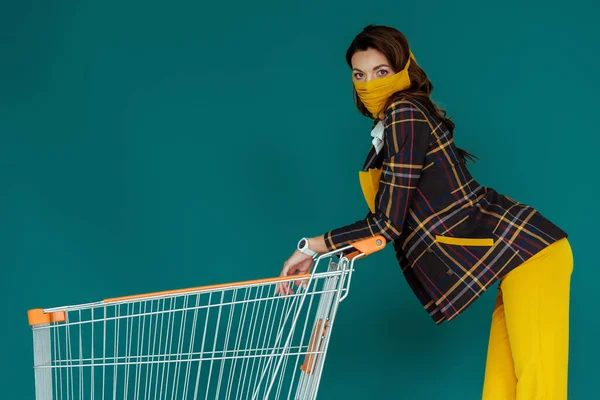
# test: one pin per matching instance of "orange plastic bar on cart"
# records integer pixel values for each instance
(311, 359)
(210, 287)
(367, 246)
(37, 316)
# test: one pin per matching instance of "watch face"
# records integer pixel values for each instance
(302, 244)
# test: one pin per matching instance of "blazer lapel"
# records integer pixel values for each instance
(373, 160)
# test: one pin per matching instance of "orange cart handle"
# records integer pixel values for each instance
(367, 246)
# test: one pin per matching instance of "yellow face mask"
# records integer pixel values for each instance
(375, 93)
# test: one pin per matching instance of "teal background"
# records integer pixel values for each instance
(153, 145)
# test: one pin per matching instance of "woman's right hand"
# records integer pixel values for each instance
(298, 263)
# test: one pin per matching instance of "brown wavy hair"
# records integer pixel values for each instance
(394, 45)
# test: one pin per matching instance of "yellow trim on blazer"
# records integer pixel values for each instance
(464, 241)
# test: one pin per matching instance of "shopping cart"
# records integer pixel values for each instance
(230, 341)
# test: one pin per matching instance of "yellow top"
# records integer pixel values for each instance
(369, 182)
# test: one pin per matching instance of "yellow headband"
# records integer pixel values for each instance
(376, 92)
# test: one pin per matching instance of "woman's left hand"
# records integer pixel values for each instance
(298, 263)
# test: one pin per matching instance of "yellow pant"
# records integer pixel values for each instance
(529, 339)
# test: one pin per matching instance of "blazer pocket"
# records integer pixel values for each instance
(455, 241)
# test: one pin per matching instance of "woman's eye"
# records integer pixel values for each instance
(382, 72)
(358, 75)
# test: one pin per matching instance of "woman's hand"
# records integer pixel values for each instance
(298, 263)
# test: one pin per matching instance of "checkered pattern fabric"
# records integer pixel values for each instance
(435, 214)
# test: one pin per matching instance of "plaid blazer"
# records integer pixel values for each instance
(453, 237)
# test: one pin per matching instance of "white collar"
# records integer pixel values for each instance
(377, 135)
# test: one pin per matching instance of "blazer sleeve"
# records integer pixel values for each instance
(406, 137)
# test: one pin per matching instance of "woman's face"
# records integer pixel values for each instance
(369, 65)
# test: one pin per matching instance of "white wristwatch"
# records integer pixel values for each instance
(303, 247)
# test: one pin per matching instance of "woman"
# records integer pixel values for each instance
(453, 238)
